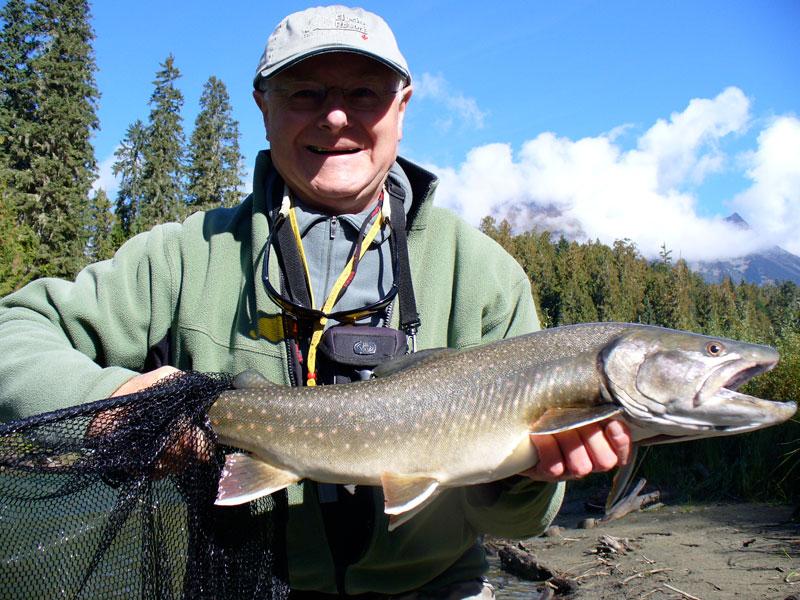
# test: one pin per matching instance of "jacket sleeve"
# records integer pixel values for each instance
(63, 343)
(516, 507)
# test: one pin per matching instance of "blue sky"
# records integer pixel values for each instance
(646, 120)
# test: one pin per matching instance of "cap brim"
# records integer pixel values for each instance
(291, 61)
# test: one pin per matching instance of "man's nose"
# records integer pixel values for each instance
(334, 116)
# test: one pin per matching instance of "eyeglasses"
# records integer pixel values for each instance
(305, 313)
(311, 97)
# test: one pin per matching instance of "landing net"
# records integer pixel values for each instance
(115, 499)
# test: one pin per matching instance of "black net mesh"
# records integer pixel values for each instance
(115, 499)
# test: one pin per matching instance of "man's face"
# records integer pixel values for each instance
(334, 149)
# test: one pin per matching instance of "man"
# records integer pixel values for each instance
(333, 88)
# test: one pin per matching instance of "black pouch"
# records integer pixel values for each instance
(350, 352)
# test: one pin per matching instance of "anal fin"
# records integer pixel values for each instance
(396, 520)
(245, 479)
(406, 493)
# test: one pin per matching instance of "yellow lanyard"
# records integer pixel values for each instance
(343, 280)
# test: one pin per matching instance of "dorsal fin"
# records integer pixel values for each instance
(409, 360)
(251, 379)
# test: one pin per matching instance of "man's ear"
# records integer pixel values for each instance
(407, 92)
(261, 102)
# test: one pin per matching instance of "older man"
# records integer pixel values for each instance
(320, 242)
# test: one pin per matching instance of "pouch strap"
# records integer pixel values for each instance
(409, 317)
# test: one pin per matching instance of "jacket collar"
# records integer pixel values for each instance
(411, 182)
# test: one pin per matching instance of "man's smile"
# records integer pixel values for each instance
(332, 151)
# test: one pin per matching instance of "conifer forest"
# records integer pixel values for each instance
(52, 224)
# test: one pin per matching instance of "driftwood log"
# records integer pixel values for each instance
(630, 503)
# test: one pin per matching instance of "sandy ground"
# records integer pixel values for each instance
(715, 551)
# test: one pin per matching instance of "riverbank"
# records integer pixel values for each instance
(711, 551)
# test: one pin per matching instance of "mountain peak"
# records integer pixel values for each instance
(737, 220)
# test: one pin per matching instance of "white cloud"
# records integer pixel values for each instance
(593, 189)
(460, 107)
(106, 178)
(686, 145)
(772, 203)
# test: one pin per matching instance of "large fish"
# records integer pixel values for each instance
(444, 418)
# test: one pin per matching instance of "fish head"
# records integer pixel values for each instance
(683, 385)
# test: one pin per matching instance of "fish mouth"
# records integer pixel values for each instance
(731, 411)
(730, 376)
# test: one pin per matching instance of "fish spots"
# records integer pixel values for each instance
(320, 435)
(269, 428)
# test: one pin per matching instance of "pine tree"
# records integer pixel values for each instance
(632, 272)
(101, 243)
(19, 244)
(163, 170)
(17, 101)
(576, 303)
(537, 255)
(129, 167)
(64, 165)
(17, 121)
(215, 162)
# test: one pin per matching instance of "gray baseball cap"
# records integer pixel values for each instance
(325, 29)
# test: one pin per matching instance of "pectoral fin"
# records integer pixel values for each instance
(404, 493)
(622, 479)
(555, 420)
(245, 479)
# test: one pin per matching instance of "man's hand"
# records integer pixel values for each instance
(140, 382)
(573, 454)
(194, 441)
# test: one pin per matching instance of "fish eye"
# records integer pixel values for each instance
(714, 348)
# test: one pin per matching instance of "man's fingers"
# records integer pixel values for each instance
(550, 466)
(577, 461)
(577, 452)
(603, 456)
(619, 438)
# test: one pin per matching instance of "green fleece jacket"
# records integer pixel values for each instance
(198, 283)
